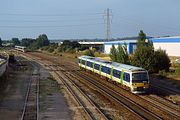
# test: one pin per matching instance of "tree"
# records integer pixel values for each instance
(89, 52)
(27, 41)
(0, 42)
(41, 41)
(69, 46)
(122, 54)
(162, 61)
(16, 41)
(113, 53)
(144, 54)
(141, 37)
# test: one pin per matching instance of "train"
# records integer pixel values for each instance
(134, 78)
(20, 48)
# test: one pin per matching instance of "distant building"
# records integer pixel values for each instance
(131, 45)
(170, 44)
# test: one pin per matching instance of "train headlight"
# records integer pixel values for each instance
(134, 84)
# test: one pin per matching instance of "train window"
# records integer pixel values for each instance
(139, 77)
(103, 69)
(83, 62)
(126, 77)
(108, 70)
(96, 66)
(89, 64)
(116, 73)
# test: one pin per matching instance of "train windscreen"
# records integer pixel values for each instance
(139, 77)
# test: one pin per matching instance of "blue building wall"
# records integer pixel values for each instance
(130, 44)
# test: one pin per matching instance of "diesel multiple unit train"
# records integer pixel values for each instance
(135, 78)
(20, 48)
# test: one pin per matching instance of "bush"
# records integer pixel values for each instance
(163, 73)
(113, 53)
(162, 61)
(177, 70)
(144, 57)
(89, 52)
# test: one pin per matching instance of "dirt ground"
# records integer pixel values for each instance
(12, 96)
(53, 106)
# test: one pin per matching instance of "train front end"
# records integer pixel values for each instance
(140, 82)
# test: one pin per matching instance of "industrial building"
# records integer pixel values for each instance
(170, 44)
(131, 45)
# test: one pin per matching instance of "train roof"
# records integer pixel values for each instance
(114, 64)
(20, 47)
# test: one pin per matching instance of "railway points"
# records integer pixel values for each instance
(65, 67)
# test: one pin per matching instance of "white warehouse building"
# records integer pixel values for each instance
(131, 45)
(170, 44)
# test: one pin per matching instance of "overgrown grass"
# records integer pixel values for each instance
(177, 69)
(173, 73)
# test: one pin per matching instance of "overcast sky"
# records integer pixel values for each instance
(63, 19)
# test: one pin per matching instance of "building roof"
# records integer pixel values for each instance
(175, 39)
(95, 43)
(120, 42)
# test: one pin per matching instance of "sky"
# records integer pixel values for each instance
(79, 19)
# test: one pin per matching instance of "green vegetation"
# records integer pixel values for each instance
(0, 42)
(51, 48)
(16, 41)
(144, 56)
(90, 52)
(177, 69)
(122, 54)
(27, 42)
(66, 46)
(113, 53)
(162, 61)
(40, 42)
(119, 54)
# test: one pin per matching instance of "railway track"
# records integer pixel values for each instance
(161, 103)
(169, 108)
(120, 99)
(31, 105)
(163, 109)
(168, 105)
(77, 74)
(90, 109)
